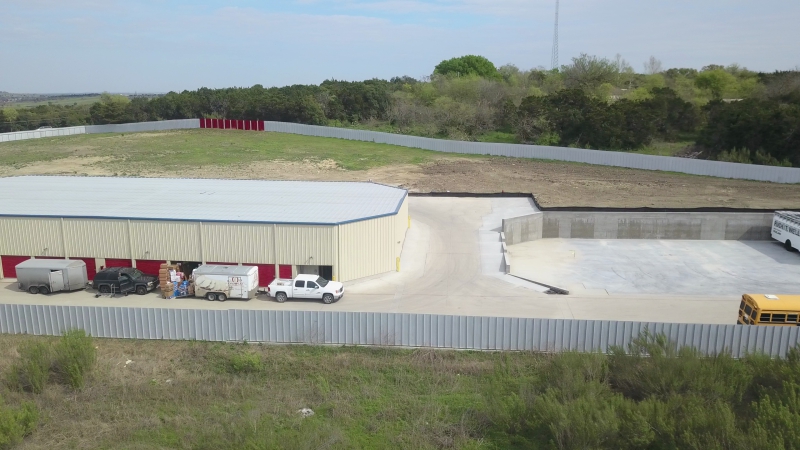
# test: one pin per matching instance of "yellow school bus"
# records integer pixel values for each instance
(768, 309)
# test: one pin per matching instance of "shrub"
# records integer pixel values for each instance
(74, 357)
(243, 363)
(15, 424)
(33, 369)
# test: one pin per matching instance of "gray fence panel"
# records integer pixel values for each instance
(598, 157)
(388, 329)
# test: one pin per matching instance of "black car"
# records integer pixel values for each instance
(123, 280)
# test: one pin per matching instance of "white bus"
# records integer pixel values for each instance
(786, 229)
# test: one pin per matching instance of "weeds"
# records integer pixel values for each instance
(74, 358)
(32, 370)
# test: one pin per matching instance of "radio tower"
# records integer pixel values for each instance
(554, 56)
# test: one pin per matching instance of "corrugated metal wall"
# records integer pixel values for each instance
(31, 237)
(144, 126)
(250, 243)
(599, 157)
(387, 329)
(306, 245)
(367, 248)
(401, 221)
(37, 134)
(167, 240)
(104, 238)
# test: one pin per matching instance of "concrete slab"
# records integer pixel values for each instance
(661, 267)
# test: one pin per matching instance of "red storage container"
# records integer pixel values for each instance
(10, 264)
(119, 263)
(149, 267)
(266, 273)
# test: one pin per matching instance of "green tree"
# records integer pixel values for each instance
(469, 65)
(588, 73)
(716, 81)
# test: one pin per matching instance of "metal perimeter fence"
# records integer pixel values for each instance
(598, 157)
(387, 329)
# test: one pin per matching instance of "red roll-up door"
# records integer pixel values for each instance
(227, 124)
(247, 125)
(214, 123)
(149, 267)
(260, 125)
(10, 264)
(91, 267)
(202, 123)
(266, 273)
(285, 271)
(118, 263)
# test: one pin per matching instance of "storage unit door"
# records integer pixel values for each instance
(266, 273)
(149, 267)
(10, 264)
(119, 263)
(91, 268)
(285, 271)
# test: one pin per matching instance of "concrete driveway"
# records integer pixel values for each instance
(451, 264)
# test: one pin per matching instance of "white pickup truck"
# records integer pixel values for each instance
(306, 286)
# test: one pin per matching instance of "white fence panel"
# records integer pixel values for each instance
(37, 134)
(388, 329)
(605, 158)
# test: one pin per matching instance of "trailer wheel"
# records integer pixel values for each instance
(327, 299)
(43, 290)
(33, 289)
(221, 297)
(280, 297)
(788, 245)
(141, 290)
(211, 296)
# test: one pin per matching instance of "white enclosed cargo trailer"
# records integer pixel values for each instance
(786, 229)
(223, 282)
(43, 276)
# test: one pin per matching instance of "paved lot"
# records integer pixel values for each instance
(451, 265)
(610, 267)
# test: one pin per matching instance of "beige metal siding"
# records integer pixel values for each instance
(100, 238)
(247, 243)
(176, 241)
(367, 248)
(31, 237)
(402, 226)
(306, 245)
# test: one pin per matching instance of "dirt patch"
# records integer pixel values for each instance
(73, 165)
(553, 183)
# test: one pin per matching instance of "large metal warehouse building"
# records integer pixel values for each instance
(339, 230)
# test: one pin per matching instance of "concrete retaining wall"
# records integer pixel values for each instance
(523, 228)
(639, 225)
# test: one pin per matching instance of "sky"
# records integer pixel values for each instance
(73, 46)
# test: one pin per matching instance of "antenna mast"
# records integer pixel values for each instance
(554, 56)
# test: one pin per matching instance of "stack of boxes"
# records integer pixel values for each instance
(173, 283)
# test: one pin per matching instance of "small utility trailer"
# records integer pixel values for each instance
(43, 276)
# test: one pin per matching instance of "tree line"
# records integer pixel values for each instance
(727, 112)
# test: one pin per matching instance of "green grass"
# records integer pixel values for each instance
(195, 148)
(664, 148)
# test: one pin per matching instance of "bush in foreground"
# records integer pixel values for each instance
(74, 357)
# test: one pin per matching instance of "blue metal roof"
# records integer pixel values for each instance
(198, 200)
